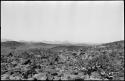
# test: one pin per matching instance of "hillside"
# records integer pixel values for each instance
(11, 43)
(42, 61)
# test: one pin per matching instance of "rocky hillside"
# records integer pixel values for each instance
(55, 62)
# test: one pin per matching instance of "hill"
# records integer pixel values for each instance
(11, 43)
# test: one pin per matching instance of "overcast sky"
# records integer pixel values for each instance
(76, 21)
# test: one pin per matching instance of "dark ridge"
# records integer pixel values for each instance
(11, 43)
(114, 43)
(40, 43)
(71, 48)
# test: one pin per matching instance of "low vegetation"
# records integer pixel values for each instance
(60, 62)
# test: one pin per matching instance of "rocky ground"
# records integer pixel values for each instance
(101, 62)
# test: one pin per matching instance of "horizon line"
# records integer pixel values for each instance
(55, 41)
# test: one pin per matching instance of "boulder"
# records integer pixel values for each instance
(40, 76)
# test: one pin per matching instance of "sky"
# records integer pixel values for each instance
(72, 21)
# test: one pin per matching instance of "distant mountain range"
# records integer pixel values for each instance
(67, 43)
(49, 42)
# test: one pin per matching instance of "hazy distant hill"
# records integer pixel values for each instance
(26, 45)
(57, 46)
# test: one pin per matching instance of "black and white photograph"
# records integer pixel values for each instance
(62, 40)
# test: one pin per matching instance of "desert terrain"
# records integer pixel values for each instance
(42, 61)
